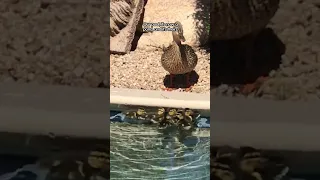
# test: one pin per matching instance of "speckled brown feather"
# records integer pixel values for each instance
(179, 58)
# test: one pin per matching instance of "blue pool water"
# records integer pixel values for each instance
(142, 152)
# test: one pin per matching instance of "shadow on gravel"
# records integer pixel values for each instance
(179, 81)
(228, 64)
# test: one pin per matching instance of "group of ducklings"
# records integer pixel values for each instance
(246, 163)
(184, 118)
(93, 166)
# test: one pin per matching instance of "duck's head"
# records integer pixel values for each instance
(222, 171)
(188, 112)
(161, 111)
(172, 112)
(99, 157)
(180, 116)
(251, 159)
(178, 34)
(141, 112)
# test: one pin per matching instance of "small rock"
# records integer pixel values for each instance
(78, 71)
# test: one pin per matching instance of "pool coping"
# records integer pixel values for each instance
(265, 124)
(52, 109)
(120, 97)
(70, 111)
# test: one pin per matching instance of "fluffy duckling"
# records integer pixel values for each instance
(98, 163)
(171, 115)
(247, 163)
(80, 167)
(169, 119)
(251, 159)
(220, 171)
(139, 116)
(136, 114)
(259, 166)
(183, 121)
(192, 114)
(222, 167)
(158, 116)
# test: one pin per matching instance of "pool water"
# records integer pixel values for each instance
(144, 152)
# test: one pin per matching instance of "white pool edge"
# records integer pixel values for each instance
(265, 124)
(60, 110)
(84, 112)
(135, 97)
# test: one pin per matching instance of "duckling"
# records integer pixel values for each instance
(178, 58)
(158, 116)
(80, 167)
(254, 163)
(136, 114)
(183, 121)
(193, 114)
(251, 159)
(220, 171)
(97, 162)
(222, 164)
(139, 116)
(171, 115)
(191, 117)
(169, 119)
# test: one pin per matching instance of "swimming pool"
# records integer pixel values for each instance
(143, 152)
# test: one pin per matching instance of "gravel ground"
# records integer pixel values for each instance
(54, 43)
(288, 51)
(141, 69)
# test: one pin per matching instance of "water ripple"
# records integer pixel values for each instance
(141, 152)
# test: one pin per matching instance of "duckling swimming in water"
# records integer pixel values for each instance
(247, 163)
(222, 164)
(182, 121)
(171, 115)
(138, 116)
(156, 117)
(169, 119)
(192, 114)
(84, 166)
(259, 166)
(182, 118)
(98, 163)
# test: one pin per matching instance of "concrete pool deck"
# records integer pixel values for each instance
(82, 112)
(133, 97)
(61, 110)
(266, 124)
